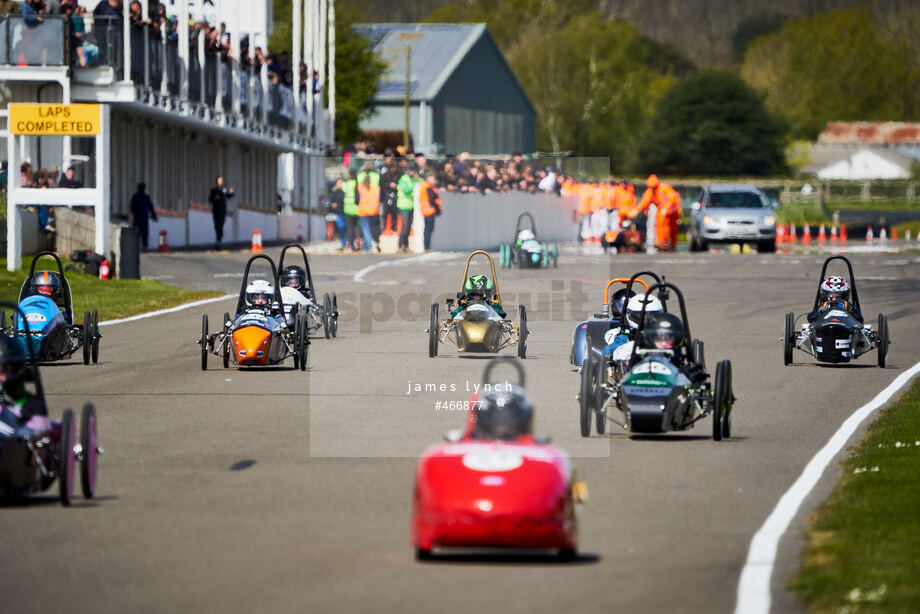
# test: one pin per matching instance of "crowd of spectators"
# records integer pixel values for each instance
(159, 24)
(462, 173)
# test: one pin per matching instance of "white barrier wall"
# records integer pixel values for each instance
(250, 220)
(477, 221)
(175, 231)
(298, 224)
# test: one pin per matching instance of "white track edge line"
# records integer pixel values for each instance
(754, 583)
(159, 312)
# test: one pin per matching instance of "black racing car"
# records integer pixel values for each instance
(834, 331)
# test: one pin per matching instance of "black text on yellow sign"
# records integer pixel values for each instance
(54, 119)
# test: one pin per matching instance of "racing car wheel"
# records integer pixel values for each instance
(66, 457)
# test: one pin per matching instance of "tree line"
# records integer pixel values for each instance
(603, 88)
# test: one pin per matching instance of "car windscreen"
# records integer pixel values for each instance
(736, 200)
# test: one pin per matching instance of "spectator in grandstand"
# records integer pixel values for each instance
(67, 180)
(108, 8)
(31, 12)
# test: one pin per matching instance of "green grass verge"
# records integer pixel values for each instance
(864, 541)
(114, 298)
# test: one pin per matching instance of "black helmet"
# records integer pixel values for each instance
(618, 298)
(47, 283)
(663, 331)
(504, 413)
(12, 363)
(294, 277)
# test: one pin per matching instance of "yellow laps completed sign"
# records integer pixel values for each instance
(54, 119)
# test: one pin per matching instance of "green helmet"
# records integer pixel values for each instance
(479, 285)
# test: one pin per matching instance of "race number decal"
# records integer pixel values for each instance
(36, 317)
(654, 367)
(611, 335)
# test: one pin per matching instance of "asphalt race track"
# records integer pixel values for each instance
(283, 491)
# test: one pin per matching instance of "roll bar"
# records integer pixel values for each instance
(466, 270)
(853, 294)
(276, 298)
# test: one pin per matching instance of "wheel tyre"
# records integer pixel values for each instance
(335, 315)
(883, 340)
(227, 341)
(433, 331)
(522, 333)
(546, 257)
(586, 397)
(718, 399)
(89, 441)
(703, 245)
(699, 355)
(600, 415)
(204, 342)
(66, 458)
(327, 315)
(729, 402)
(87, 336)
(767, 247)
(501, 255)
(95, 349)
(298, 333)
(788, 338)
(422, 554)
(304, 345)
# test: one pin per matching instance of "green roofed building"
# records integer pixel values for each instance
(463, 95)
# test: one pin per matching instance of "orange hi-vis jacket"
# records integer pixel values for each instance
(610, 202)
(664, 197)
(625, 201)
(599, 197)
(368, 200)
(584, 203)
(428, 199)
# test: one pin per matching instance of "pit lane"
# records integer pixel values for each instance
(245, 491)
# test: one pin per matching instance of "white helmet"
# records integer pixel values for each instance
(259, 294)
(634, 308)
(526, 235)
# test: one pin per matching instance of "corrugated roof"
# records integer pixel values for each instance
(436, 49)
(871, 133)
(826, 154)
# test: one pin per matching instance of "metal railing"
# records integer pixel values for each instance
(95, 41)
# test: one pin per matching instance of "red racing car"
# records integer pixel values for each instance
(495, 485)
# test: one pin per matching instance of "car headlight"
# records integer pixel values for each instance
(769, 220)
(714, 221)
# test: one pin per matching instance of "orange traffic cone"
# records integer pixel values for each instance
(822, 235)
(907, 235)
(834, 233)
(257, 242)
(883, 234)
(780, 234)
(806, 234)
(894, 233)
(164, 244)
(843, 233)
(869, 234)
(793, 236)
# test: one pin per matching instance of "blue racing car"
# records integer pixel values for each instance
(46, 303)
